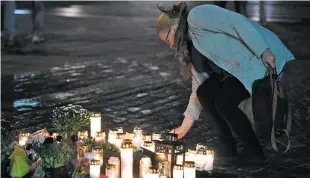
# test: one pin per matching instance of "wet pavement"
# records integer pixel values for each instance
(106, 57)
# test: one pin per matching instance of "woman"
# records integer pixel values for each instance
(224, 52)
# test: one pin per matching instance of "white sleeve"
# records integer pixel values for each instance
(194, 107)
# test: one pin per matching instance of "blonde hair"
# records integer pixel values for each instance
(164, 22)
(177, 15)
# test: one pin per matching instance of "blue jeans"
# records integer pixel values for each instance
(9, 17)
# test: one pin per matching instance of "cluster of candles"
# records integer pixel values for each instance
(200, 159)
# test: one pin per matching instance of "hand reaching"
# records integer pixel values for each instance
(184, 128)
(269, 59)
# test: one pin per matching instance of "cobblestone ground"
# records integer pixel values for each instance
(114, 64)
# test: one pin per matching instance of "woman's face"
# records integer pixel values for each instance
(168, 36)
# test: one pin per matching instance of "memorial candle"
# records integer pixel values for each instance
(156, 136)
(149, 145)
(115, 161)
(190, 155)
(178, 171)
(120, 130)
(119, 139)
(146, 137)
(94, 169)
(152, 173)
(209, 161)
(100, 136)
(126, 159)
(145, 163)
(138, 137)
(201, 159)
(82, 135)
(111, 171)
(98, 155)
(189, 169)
(22, 139)
(112, 136)
(95, 124)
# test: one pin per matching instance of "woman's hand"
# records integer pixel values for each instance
(269, 59)
(184, 128)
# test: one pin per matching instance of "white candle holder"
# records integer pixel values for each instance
(119, 139)
(115, 161)
(129, 136)
(126, 159)
(100, 136)
(111, 171)
(138, 137)
(94, 169)
(190, 155)
(171, 148)
(145, 163)
(204, 160)
(156, 136)
(98, 155)
(189, 169)
(95, 124)
(112, 136)
(210, 161)
(120, 130)
(149, 145)
(152, 173)
(178, 171)
(22, 138)
(81, 152)
(82, 135)
(146, 137)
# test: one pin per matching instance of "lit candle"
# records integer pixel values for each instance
(94, 169)
(138, 137)
(190, 155)
(119, 139)
(161, 154)
(209, 161)
(82, 151)
(95, 124)
(111, 171)
(152, 173)
(129, 136)
(100, 136)
(147, 137)
(115, 161)
(126, 159)
(149, 145)
(82, 135)
(23, 137)
(189, 169)
(198, 146)
(156, 136)
(120, 130)
(112, 136)
(145, 163)
(178, 171)
(201, 159)
(98, 154)
(179, 159)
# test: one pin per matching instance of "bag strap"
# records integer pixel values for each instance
(274, 79)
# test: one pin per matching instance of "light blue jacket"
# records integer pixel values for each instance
(234, 43)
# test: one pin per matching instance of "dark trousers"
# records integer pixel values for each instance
(221, 100)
